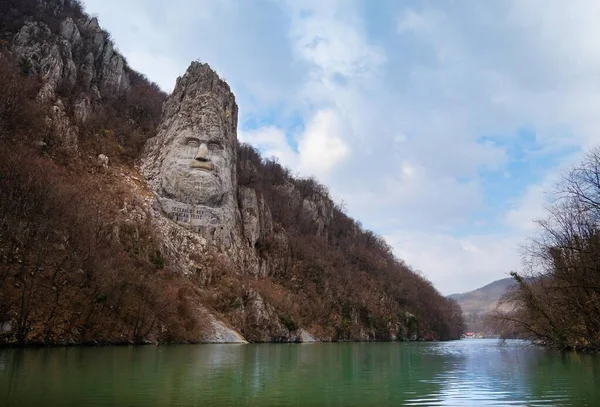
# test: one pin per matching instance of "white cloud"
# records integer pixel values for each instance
(334, 47)
(425, 21)
(388, 108)
(162, 69)
(530, 208)
(322, 146)
(454, 264)
(272, 142)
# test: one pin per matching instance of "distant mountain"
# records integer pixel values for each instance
(477, 303)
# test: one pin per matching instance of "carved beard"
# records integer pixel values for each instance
(195, 186)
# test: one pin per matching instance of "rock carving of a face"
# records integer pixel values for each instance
(197, 167)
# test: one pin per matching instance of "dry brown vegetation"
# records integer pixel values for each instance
(20, 115)
(346, 279)
(75, 269)
(557, 296)
(72, 270)
(118, 127)
(14, 13)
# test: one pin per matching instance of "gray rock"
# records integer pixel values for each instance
(79, 50)
(250, 215)
(86, 70)
(92, 25)
(6, 326)
(62, 126)
(306, 337)
(50, 57)
(69, 31)
(191, 163)
(263, 320)
(257, 222)
(95, 94)
(320, 210)
(69, 71)
(103, 160)
(91, 30)
(40, 144)
(113, 79)
(32, 43)
(223, 333)
(82, 109)
(266, 220)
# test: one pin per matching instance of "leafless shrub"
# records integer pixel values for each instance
(557, 300)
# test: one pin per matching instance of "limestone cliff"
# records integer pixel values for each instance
(153, 224)
(291, 261)
(80, 50)
(76, 60)
(191, 165)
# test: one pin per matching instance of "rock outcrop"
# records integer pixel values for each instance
(221, 333)
(191, 163)
(191, 167)
(210, 241)
(79, 60)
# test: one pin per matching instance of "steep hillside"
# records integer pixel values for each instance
(82, 81)
(126, 219)
(478, 303)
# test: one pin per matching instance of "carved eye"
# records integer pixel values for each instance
(191, 147)
(214, 145)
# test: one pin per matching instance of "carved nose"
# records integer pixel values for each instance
(202, 153)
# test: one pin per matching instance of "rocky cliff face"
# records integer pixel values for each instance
(204, 240)
(191, 163)
(191, 166)
(79, 60)
(204, 218)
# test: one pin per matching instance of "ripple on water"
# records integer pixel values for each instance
(461, 373)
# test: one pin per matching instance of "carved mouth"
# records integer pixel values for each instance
(202, 165)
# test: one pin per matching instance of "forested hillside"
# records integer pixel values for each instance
(84, 253)
(346, 274)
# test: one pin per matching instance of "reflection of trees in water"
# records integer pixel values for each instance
(321, 374)
(10, 367)
(315, 375)
(571, 375)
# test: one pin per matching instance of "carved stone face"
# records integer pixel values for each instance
(191, 162)
(197, 167)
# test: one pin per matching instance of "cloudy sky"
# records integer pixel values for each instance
(439, 124)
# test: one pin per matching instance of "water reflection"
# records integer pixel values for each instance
(513, 373)
(471, 372)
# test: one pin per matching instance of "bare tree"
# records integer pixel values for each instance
(557, 298)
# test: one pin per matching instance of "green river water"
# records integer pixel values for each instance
(460, 373)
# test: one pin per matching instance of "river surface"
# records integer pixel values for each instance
(473, 372)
